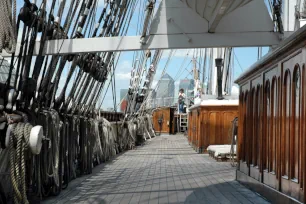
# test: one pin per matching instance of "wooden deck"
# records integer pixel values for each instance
(165, 170)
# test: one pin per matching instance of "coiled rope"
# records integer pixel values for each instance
(8, 28)
(21, 135)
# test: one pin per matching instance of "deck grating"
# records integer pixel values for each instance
(165, 170)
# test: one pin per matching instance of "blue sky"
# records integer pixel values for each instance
(245, 57)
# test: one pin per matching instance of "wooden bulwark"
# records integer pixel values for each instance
(271, 136)
(210, 125)
(112, 116)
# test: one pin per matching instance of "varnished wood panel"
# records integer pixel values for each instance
(271, 136)
(165, 115)
(210, 125)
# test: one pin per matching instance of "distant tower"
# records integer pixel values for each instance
(187, 85)
(165, 91)
(166, 87)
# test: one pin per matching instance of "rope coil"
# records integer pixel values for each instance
(8, 29)
(20, 134)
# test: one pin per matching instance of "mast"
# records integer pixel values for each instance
(195, 77)
(290, 22)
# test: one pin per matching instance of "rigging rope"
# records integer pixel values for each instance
(75, 138)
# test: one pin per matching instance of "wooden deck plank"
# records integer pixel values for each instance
(165, 170)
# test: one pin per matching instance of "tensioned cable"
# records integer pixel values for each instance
(163, 73)
(237, 60)
(189, 73)
(126, 30)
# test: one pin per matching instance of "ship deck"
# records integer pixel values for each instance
(164, 170)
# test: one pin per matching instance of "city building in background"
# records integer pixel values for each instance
(165, 91)
(166, 87)
(153, 94)
(123, 99)
(188, 86)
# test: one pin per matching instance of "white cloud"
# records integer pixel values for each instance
(178, 53)
(125, 66)
(235, 90)
(101, 3)
(123, 76)
(123, 70)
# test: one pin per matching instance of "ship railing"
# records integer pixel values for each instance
(165, 102)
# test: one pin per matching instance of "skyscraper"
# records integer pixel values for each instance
(186, 84)
(165, 91)
(166, 87)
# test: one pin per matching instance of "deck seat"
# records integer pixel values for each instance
(220, 151)
(211, 149)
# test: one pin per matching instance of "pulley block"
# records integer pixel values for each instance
(41, 22)
(152, 69)
(148, 54)
(50, 31)
(97, 75)
(27, 15)
(70, 58)
(130, 92)
(140, 98)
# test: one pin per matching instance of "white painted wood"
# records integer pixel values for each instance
(179, 41)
